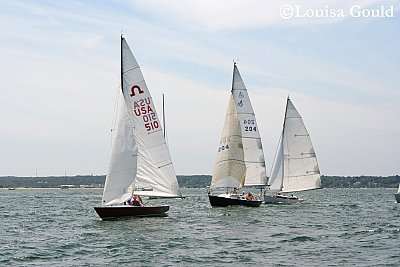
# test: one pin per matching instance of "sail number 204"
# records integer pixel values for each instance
(249, 125)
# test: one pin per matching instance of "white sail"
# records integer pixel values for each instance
(296, 156)
(252, 146)
(155, 172)
(122, 169)
(230, 169)
(276, 177)
(398, 190)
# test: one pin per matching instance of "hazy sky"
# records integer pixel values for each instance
(59, 74)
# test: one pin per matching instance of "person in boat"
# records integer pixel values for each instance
(250, 196)
(260, 195)
(136, 200)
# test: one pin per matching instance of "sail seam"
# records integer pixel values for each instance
(132, 69)
(230, 160)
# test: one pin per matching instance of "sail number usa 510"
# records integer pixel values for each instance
(142, 109)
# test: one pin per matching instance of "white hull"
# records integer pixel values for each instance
(282, 200)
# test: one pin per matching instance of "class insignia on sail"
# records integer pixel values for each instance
(240, 159)
(140, 164)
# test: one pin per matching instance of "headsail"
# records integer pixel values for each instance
(276, 177)
(155, 171)
(296, 156)
(252, 146)
(230, 169)
(122, 169)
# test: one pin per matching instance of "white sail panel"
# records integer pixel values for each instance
(398, 190)
(301, 171)
(122, 169)
(230, 169)
(155, 169)
(276, 178)
(252, 146)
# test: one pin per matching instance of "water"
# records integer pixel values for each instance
(333, 227)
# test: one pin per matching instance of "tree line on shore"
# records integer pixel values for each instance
(191, 181)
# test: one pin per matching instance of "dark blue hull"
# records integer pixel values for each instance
(114, 212)
(217, 201)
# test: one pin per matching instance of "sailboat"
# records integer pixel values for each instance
(140, 164)
(397, 195)
(295, 166)
(240, 158)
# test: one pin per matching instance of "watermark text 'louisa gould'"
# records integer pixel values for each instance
(355, 11)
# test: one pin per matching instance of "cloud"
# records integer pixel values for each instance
(238, 15)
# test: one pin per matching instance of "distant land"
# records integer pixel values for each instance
(189, 181)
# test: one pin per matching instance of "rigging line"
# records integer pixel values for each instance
(294, 158)
(307, 174)
(248, 161)
(162, 166)
(114, 118)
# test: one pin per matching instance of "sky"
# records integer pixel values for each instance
(339, 61)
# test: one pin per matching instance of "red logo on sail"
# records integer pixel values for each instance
(133, 90)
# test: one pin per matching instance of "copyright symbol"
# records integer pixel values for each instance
(286, 11)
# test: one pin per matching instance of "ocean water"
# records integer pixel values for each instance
(332, 227)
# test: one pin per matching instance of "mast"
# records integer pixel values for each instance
(233, 75)
(122, 70)
(163, 115)
(283, 140)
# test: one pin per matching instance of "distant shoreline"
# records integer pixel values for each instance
(185, 181)
(45, 188)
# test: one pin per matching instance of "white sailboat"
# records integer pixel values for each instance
(397, 195)
(140, 162)
(295, 166)
(240, 158)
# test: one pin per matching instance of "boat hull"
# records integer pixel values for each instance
(397, 196)
(217, 201)
(280, 200)
(130, 211)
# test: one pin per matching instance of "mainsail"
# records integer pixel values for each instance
(230, 169)
(295, 166)
(155, 174)
(252, 146)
